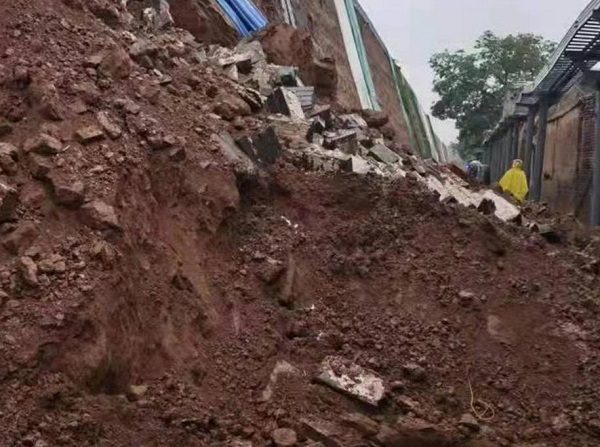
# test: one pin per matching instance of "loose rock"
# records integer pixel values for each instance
(69, 194)
(21, 238)
(229, 106)
(9, 199)
(43, 145)
(112, 129)
(468, 421)
(29, 271)
(39, 166)
(99, 215)
(284, 437)
(349, 378)
(89, 134)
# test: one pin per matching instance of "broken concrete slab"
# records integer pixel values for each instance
(349, 378)
(353, 121)
(241, 162)
(383, 154)
(268, 147)
(306, 95)
(315, 158)
(317, 126)
(357, 165)
(246, 144)
(345, 140)
(254, 49)
(283, 101)
(323, 111)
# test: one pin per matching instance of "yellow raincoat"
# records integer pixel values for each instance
(515, 181)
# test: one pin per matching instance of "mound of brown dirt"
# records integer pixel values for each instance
(150, 296)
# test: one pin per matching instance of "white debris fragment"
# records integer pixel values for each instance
(289, 223)
(349, 378)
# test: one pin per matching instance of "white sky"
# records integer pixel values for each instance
(414, 30)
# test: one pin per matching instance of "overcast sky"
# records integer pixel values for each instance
(416, 29)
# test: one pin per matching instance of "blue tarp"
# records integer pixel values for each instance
(246, 17)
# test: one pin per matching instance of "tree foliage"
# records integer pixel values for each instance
(472, 84)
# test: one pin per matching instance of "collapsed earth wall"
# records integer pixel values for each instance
(320, 19)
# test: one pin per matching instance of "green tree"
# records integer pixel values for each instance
(472, 84)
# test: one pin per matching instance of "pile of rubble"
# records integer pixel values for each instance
(360, 143)
(197, 249)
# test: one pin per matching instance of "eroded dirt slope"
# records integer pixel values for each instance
(136, 257)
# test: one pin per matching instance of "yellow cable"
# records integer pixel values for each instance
(488, 408)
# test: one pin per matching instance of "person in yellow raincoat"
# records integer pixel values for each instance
(515, 181)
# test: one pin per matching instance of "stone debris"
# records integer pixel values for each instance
(112, 129)
(268, 147)
(375, 119)
(230, 105)
(39, 166)
(366, 426)
(344, 140)
(281, 368)
(89, 134)
(232, 153)
(53, 264)
(349, 378)
(287, 103)
(5, 128)
(142, 48)
(9, 156)
(29, 271)
(357, 165)
(9, 200)
(353, 121)
(468, 421)
(135, 392)
(383, 154)
(325, 432)
(88, 311)
(21, 238)
(69, 194)
(548, 232)
(44, 145)
(99, 215)
(284, 437)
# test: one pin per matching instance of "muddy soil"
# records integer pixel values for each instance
(152, 297)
